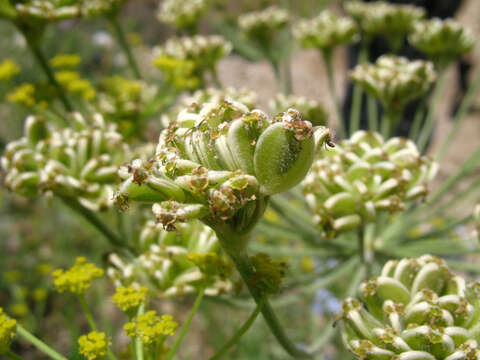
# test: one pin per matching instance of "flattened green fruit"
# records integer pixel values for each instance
(281, 161)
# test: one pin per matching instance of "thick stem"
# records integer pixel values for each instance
(138, 342)
(96, 222)
(372, 110)
(122, 40)
(42, 61)
(39, 344)
(327, 57)
(357, 94)
(245, 268)
(186, 325)
(389, 121)
(238, 335)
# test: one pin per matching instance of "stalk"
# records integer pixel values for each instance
(465, 106)
(389, 121)
(417, 120)
(357, 94)
(138, 342)
(96, 222)
(432, 112)
(372, 113)
(13, 356)
(240, 332)
(245, 268)
(186, 325)
(42, 61)
(327, 58)
(39, 344)
(122, 41)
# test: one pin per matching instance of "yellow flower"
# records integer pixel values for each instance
(129, 298)
(66, 61)
(23, 94)
(78, 278)
(44, 269)
(39, 294)
(65, 77)
(19, 310)
(149, 327)
(307, 264)
(93, 345)
(8, 328)
(8, 69)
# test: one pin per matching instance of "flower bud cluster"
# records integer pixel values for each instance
(93, 346)
(309, 109)
(362, 176)
(380, 18)
(395, 80)
(263, 25)
(77, 163)
(150, 327)
(326, 31)
(8, 69)
(417, 309)
(218, 162)
(195, 55)
(129, 298)
(8, 329)
(173, 263)
(78, 278)
(182, 14)
(443, 41)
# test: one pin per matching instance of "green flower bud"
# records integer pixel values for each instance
(379, 18)
(350, 184)
(325, 32)
(220, 162)
(174, 263)
(308, 108)
(394, 80)
(416, 309)
(80, 163)
(182, 15)
(443, 41)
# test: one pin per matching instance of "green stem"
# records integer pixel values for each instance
(372, 113)
(389, 121)
(138, 342)
(238, 335)
(13, 356)
(245, 268)
(460, 116)
(287, 73)
(39, 344)
(96, 222)
(122, 40)
(327, 58)
(87, 312)
(186, 325)
(427, 129)
(42, 61)
(417, 120)
(357, 94)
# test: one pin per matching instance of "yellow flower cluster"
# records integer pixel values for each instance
(8, 69)
(149, 326)
(93, 345)
(75, 84)
(8, 328)
(23, 94)
(178, 72)
(129, 298)
(66, 61)
(78, 278)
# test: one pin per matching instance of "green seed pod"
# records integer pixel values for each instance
(284, 153)
(421, 311)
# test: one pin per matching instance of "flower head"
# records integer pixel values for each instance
(308, 108)
(416, 309)
(217, 161)
(129, 298)
(8, 69)
(263, 25)
(175, 263)
(66, 61)
(182, 14)
(149, 327)
(395, 80)
(78, 278)
(380, 18)
(443, 41)
(326, 31)
(80, 162)
(349, 184)
(93, 346)
(23, 94)
(8, 328)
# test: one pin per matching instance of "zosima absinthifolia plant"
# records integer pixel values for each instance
(220, 163)
(417, 309)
